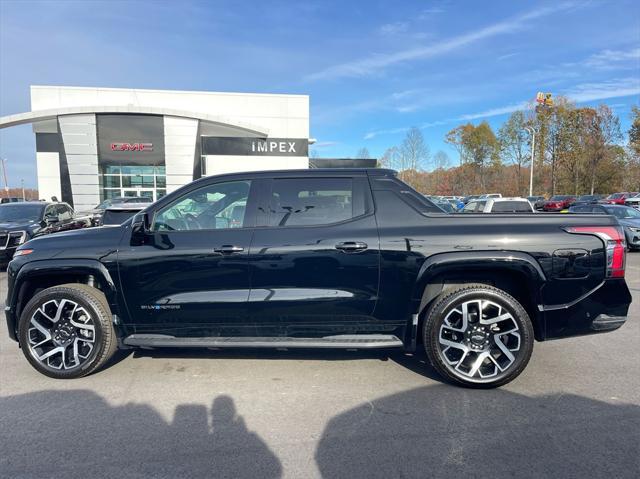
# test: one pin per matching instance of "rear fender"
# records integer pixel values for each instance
(509, 270)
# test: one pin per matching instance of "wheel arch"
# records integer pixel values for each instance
(39, 275)
(517, 273)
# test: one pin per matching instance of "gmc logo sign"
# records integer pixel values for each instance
(131, 146)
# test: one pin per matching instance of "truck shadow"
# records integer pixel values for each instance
(78, 434)
(442, 431)
(416, 362)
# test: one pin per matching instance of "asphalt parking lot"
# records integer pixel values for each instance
(574, 412)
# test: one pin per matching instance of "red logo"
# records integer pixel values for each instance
(131, 146)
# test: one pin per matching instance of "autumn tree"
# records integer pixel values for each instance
(514, 139)
(477, 145)
(632, 163)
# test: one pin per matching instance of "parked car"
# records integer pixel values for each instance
(96, 213)
(455, 202)
(618, 198)
(628, 218)
(633, 202)
(466, 199)
(537, 202)
(490, 195)
(319, 258)
(11, 199)
(558, 202)
(445, 205)
(21, 221)
(499, 205)
(586, 199)
(121, 212)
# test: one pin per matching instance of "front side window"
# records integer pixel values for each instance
(311, 201)
(217, 206)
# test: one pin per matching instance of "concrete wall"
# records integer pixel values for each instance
(80, 145)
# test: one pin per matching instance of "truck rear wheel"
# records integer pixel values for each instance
(478, 336)
(65, 331)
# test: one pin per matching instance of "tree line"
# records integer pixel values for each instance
(578, 150)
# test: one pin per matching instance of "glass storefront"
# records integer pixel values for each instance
(137, 180)
(131, 155)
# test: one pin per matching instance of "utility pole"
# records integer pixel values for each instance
(22, 185)
(4, 174)
(531, 130)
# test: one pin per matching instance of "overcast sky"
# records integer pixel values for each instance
(372, 68)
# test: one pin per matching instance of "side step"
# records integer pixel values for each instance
(343, 341)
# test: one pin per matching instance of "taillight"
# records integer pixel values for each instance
(613, 237)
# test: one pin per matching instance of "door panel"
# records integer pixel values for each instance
(314, 279)
(191, 275)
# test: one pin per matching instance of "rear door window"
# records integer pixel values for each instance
(313, 201)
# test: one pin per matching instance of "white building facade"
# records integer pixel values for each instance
(98, 143)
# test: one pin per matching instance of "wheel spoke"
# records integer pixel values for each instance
(48, 354)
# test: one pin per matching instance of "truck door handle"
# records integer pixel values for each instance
(228, 249)
(352, 246)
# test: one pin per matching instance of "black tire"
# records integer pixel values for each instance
(444, 322)
(98, 344)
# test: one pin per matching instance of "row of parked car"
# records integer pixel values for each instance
(22, 220)
(624, 206)
(495, 203)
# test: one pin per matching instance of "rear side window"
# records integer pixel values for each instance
(313, 201)
(511, 207)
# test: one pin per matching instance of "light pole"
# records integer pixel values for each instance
(532, 132)
(22, 185)
(4, 174)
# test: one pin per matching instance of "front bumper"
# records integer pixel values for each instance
(605, 309)
(6, 255)
(632, 237)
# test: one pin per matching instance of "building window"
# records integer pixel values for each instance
(134, 180)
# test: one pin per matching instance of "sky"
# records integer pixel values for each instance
(372, 69)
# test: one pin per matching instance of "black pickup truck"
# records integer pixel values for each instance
(325, 258)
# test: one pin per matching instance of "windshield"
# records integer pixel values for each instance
(624, 213)
(587, 198)
(558, 198)
(615, 196)
(14, 213)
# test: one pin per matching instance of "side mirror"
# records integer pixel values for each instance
(140, 228)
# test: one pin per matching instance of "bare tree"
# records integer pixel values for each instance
(414, 151)
(390, 158)
(363, 153)
(441, 160)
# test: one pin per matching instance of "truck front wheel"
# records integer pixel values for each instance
(478, 336)
(66, 332)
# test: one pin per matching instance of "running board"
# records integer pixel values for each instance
(343, 341)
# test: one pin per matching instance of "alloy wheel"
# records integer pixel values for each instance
(61, 335)
(479, 340)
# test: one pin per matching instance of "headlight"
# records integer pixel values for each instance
(635, 230)
(16, 238)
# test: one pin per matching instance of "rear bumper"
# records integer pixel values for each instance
(604, 309)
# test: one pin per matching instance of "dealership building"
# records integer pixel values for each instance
(98, 143)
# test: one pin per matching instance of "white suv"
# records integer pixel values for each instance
(498, 205)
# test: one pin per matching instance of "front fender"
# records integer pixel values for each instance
(19, 282)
